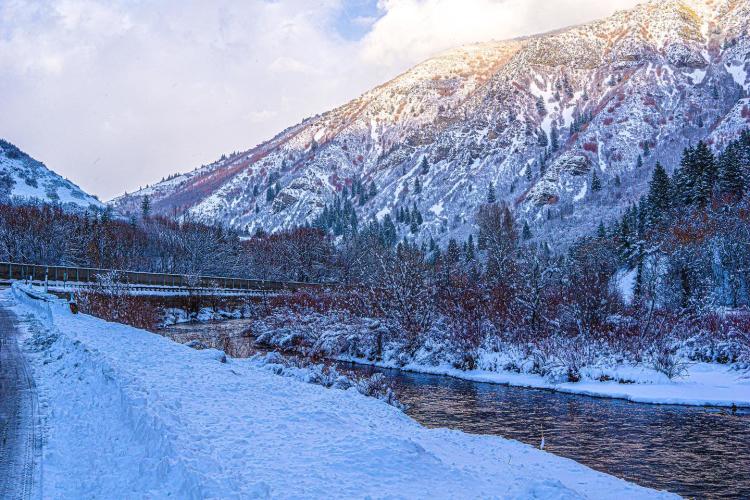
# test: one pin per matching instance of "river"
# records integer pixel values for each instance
(693, 451)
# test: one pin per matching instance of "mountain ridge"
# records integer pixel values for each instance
(26, 180)
(644, 82)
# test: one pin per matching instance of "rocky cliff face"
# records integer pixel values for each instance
(535, 118)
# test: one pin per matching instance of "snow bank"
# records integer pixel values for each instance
(705, 384)
(132, 414)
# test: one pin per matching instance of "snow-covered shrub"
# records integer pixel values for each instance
(312, 334)
(109, 300)
(326, 375)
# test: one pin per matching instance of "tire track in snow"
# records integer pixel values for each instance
(20, 433)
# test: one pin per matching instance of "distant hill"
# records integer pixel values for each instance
(24, 179)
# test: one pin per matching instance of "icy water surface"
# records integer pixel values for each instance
(693, 451)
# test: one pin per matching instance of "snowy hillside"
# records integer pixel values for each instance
(535, 118)
(150, 418)
(26, 179)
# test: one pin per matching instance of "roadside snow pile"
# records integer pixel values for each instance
(131, 414)
(698, 370)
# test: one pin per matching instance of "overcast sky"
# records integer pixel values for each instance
(118, 94)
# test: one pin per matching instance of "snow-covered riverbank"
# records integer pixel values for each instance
(598, 370)
(131, 414)
(704, 384)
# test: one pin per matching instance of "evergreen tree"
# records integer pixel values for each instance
(417, 186)
(470, 249)
(146, 207)
(542, 140)
(453, 253)
(553, 140)
(639, 162)
(731, 181)
(255, 190)
(414, 227)
(526, 232)
(389, 230)
(646, 149)
(491, 198)
(424, 166)
(373, 190)
(601, 232)
(659, 197)
(416, 215)
(685, 179)
(705, 167)
(270, 194)
(596, 183)
(540, 107)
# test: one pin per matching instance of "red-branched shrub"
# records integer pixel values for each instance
(591, 147)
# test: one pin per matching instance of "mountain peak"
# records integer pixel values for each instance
(535, 118)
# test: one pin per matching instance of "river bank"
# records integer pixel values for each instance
(151, 417)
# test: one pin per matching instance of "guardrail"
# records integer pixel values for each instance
(84, 277)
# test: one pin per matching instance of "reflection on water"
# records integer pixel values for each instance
(697, 452)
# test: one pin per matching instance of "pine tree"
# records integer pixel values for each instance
(542, 140)
(414, 227)
(731, 181)
(526, 232)
(646, 149)
(417, 186)
(424, 166)
(596, 183)
(417, 217)
(389, 230)
(491, 198)
(540, 107)
(146, 207)
(705, 168)
(470, 249)
(453, 253)
(373, 190)
(601, 232)
(659, 194)
(639, 162)
(270, 194)
(553, 140)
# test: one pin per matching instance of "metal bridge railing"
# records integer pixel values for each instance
(12, 271)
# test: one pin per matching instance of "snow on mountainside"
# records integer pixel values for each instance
(536, 117)
(25, 179)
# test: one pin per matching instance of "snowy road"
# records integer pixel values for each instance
(20, 436)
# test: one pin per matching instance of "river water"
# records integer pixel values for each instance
(693, 451)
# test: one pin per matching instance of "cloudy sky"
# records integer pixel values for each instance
(117, 94)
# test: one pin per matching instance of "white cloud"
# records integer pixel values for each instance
(116, 94)
(412, 30)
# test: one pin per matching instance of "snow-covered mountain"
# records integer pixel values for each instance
(25, 179)
(536, 118)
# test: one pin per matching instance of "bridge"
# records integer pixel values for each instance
(69, 279)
